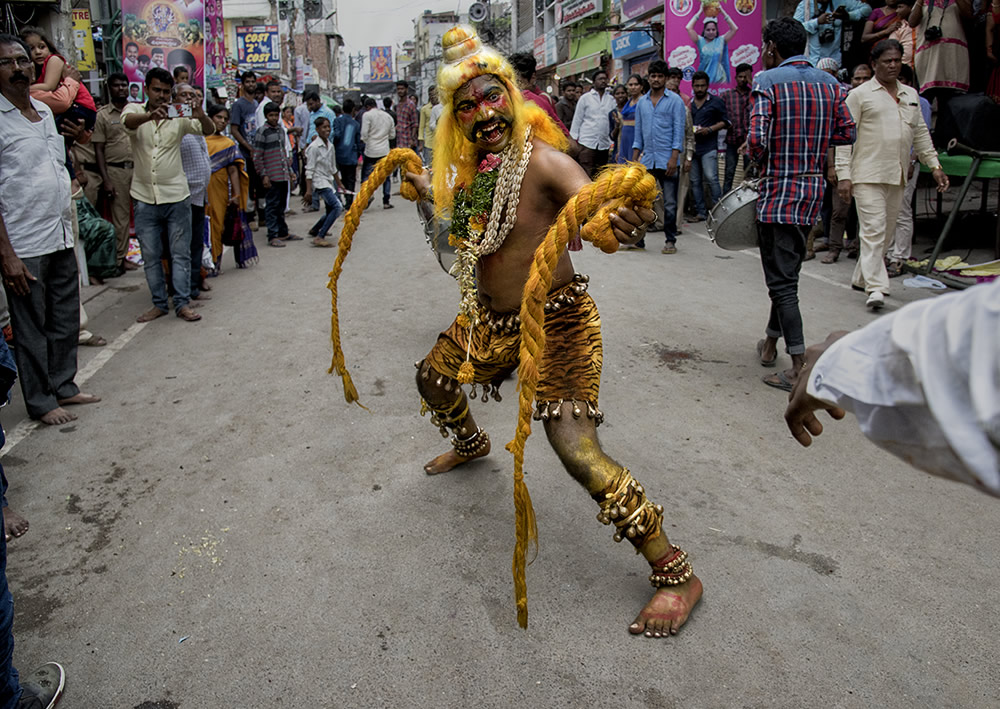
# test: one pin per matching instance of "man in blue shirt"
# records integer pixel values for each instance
(316, 109)
(347, 141)
(659, 140)
(708, 115)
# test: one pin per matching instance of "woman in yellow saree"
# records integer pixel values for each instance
(228, 186)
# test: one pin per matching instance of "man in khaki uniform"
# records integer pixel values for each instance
(114, 162)
(85, 162)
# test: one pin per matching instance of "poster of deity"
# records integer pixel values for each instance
(714, 36)
(165, 34)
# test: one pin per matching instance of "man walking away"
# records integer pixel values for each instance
(709, 116)
(275, 173)
(659, 141)
(591, 127)
(377, 129)
(797, 112)
(347, 143)
(161, 193)
(874, 169)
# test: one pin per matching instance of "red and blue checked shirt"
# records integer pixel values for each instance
(797, 113)
(407, 122)
(738, 114)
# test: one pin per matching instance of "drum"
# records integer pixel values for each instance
(436, 234)
(732, 223)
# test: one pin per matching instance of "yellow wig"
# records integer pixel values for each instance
(455, 158)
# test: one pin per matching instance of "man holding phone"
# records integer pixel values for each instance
(824, 20)
(160, 190)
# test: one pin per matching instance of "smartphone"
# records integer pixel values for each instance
(177, 110)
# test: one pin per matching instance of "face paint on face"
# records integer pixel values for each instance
(483, 110)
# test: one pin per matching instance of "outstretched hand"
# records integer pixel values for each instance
(629, 225)
(800, 415)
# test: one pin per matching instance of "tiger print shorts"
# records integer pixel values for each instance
(571, 364)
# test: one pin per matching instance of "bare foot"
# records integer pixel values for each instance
(14, 525)
(79, 399)
(151, 314)
(57, 417)
(667, 610)
(446, 461)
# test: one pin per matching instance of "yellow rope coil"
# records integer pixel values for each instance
(629, 186)
(398, 157)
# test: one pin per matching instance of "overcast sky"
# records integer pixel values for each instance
(369, 23)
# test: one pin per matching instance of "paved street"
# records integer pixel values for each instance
(224, 531)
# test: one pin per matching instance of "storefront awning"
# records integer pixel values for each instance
(579, 66)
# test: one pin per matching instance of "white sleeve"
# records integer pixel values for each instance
(924, 384)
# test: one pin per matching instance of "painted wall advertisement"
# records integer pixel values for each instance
(380, 61)
(83, 40)
(258, 47)
(713, 36)
(215, 51)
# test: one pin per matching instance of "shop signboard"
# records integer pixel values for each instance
(570, 11)
(627, 44)
(258, 47)
(637, 8)
(83, 40)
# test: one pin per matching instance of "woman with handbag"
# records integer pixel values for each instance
(227, 195)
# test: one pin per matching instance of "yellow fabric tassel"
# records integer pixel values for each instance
(463, 320)
(629, 186)
(466, 373)
(398, 157)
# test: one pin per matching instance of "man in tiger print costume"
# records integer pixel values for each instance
(484, 113)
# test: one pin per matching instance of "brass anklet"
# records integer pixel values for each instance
(635, 517)
(672, 570)
(472, 446)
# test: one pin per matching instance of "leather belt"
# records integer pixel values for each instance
(125, 165)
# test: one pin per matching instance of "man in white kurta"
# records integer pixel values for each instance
(874, 169)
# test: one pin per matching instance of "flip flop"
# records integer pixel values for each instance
(94, 341)
(783, 383)
(760, 356)
(276, 243)
(292, 237)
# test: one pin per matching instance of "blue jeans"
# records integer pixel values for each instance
(333, 210)
(366, 171)
(732, 160)
(702, 167)
(668, 188)
(150, 221)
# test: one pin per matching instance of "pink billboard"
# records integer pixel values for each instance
(165, 34)
(714, 36)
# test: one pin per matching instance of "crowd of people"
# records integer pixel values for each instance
(189, 177)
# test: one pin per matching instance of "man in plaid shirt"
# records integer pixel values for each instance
(738, 113)
(797, 113)
(407, 118)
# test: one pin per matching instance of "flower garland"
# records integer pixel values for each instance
(470, 214)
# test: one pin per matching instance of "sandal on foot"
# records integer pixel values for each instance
(187, 314)
(276, 243)
(894, 269)
(831, 256)
(760, 355)
(292, 237)
(94, 341)
(778, 380)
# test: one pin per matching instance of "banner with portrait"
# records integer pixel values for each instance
(380, 61)
(215, 48)
(714, 36)
(165, 34)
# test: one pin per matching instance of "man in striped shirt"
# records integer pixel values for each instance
(797, 113)
(271, 160)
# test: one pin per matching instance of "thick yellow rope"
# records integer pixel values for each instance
(399, 157)
(629, 186)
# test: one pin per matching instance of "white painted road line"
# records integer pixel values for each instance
(24, 429)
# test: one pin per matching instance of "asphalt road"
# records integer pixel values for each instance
(223, 530)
